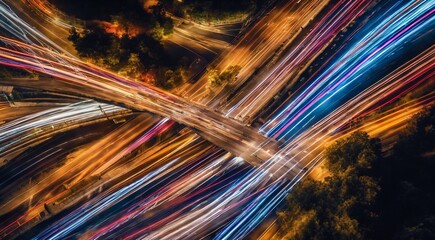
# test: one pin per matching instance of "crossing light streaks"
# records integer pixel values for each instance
(189, 195)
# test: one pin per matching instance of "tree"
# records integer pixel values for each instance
(213, 78)
(138, 51)
(368, 196)
(134, 67)
(74, 36)
(355, 153)
(168, 27)
(341, 206)
(169, 79)
(93, 43)
(228, 76)
(164, 24)
(129, 55)
(212, 10)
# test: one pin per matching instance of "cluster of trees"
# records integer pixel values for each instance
(125, 54)
(368, 196)
(130, 55)
(168, 79)
(216, 79)
(126, 13)
(213, 10)
(341, 206)
(131, 11)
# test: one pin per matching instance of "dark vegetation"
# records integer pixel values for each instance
(140, 51)
(211, 11)
(131, 10)
(217, 79)
(126, 37)
(9, 72)
(134, 48)
(369, 196)
(341, 207)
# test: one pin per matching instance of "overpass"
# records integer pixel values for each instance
(230, 135)
(75, 77)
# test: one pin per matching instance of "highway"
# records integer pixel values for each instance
(53, 185)
(24, 132)
(97, 83)
(8, 113)
(222, 131)
(298, 55)
(42, 25)
(89, 81)
(200, 44)
(256, 46)
(205, 42)
(386, 126)
(184, 187)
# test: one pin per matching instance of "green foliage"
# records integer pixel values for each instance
(93, 42)
(419, 136)
(164, 24)
(214, 11)
(134, 67)
(369, 197)
(131, 56)
(229, 75)
(352, 154)
(168, 28)
(169, 79)
(340, 207)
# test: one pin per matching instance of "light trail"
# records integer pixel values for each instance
(308, 146)
(256, 46)
(95, 160)
(28, 130)
(174, 172)
(20, 29)
(77, 77)
(233, 208)
(339, 16)
(313, 137)
(393, 29)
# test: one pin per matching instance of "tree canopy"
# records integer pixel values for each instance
(213, 10)
(369, 196)
(130, 56)
(339, 207)
(229, 75)
(168, 79)
(117, 53)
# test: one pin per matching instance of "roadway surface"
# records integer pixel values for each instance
(54, 182)
(22, 133)
(200, 44)
(39, 16)
(256, 47)
(226, 133)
